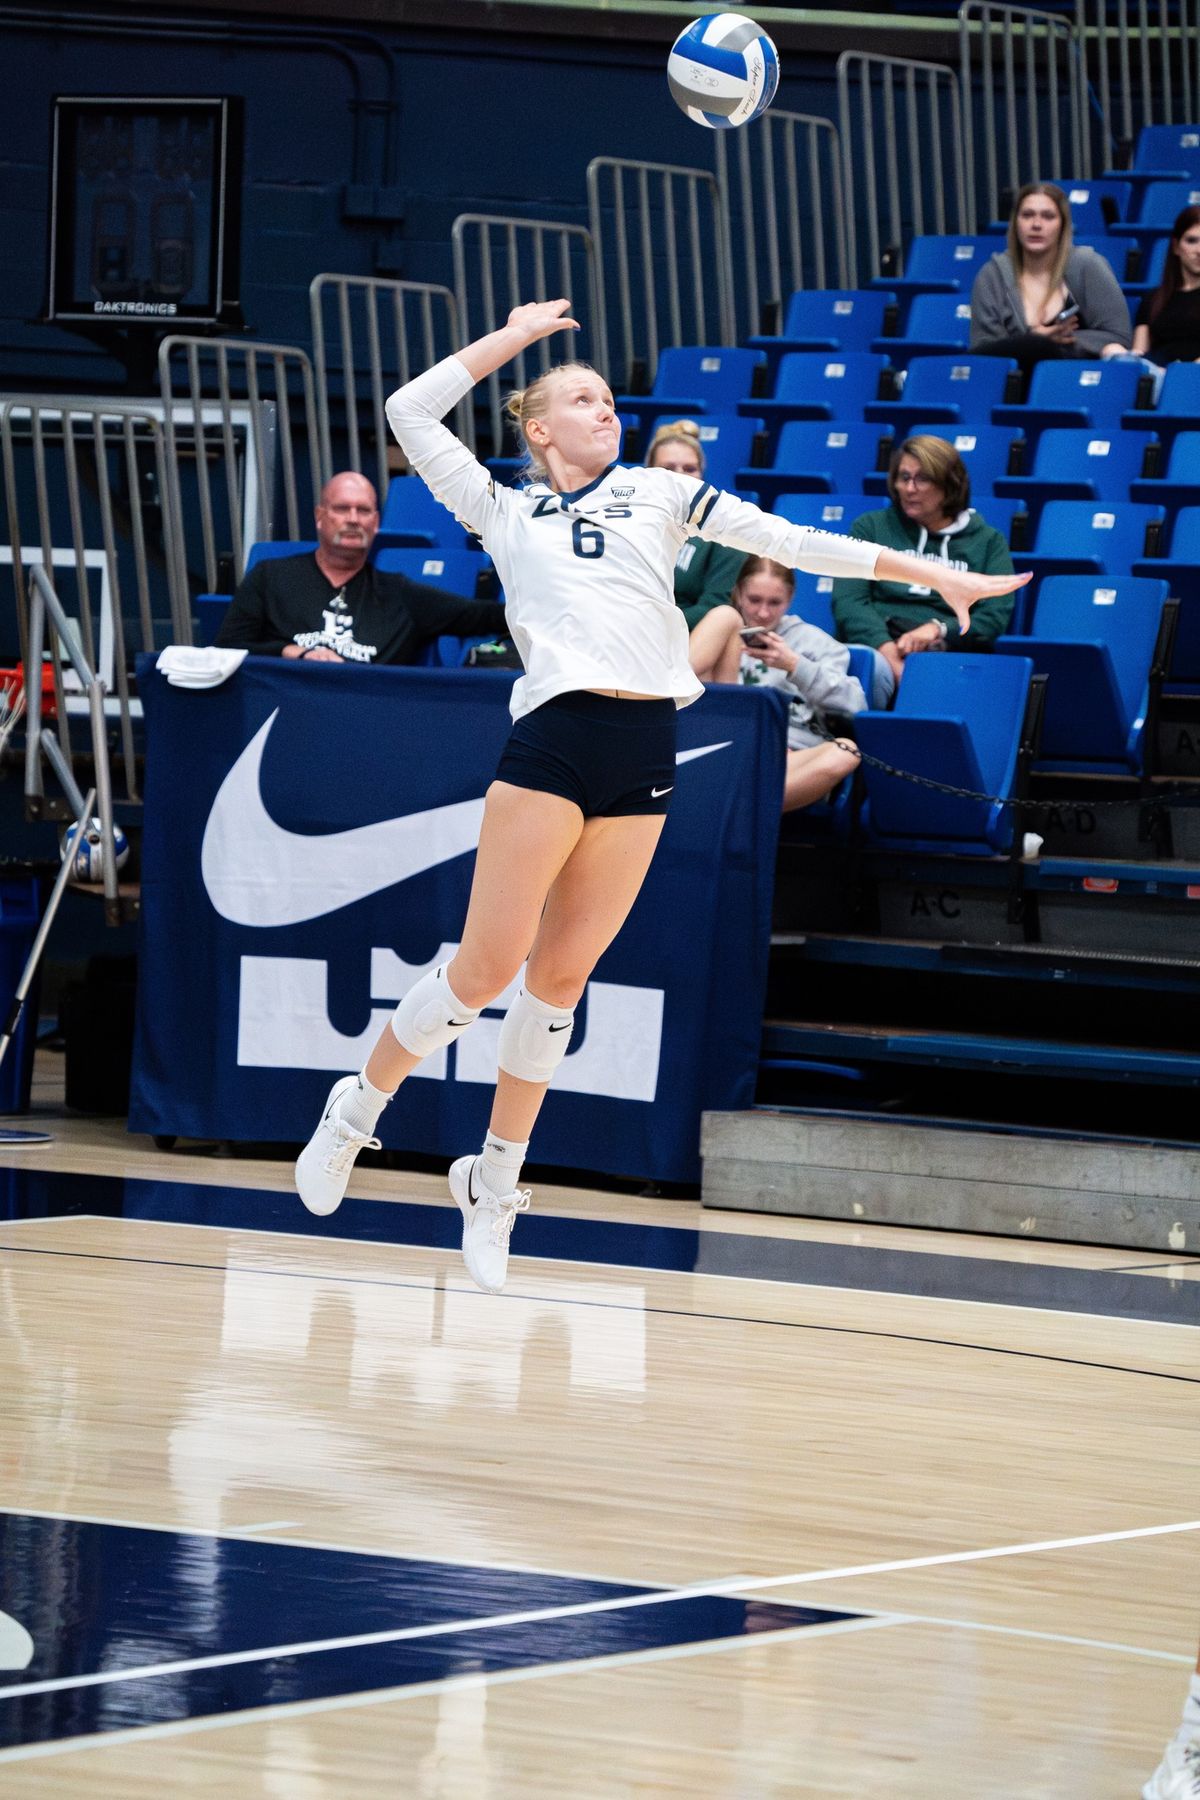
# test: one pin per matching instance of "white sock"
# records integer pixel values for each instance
(500, 1168)
(362, 1105)
(1191, 1712)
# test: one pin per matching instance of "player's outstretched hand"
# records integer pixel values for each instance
(542, 318)
(961, 590)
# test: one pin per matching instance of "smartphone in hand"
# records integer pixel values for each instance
(753, 637)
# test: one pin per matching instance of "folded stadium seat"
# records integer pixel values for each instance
(1077, 537)
(952, 390)
(411, 516)
(827, 512)
(1096, 394)
(829, 319)
(940, 265)
(1149, 274)
(938, 324)
(1178, 484)
(1114, 250)
(1095, 640)
(986, 453)
(1162, 153)
(957, 719)
(728, 443)
(695, 379)
(462, 572)
(814, 456)
(1180, 569)
(1097, 204)
(1161, 203)
(1078, 465)
(814, 384)
(1178, 407)
(267, 551)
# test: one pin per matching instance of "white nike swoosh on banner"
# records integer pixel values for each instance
(16, 1645)
(259, 873)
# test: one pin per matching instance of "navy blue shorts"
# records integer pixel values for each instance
(613, 758)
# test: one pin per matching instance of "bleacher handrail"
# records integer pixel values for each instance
(923, 148)
(1034, 46)
(535, 263)
(412, 310)
(662, 317)
(269, 427)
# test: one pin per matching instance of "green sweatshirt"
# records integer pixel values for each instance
(704, 577)
(862, 608)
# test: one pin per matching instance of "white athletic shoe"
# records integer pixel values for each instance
(323, 1166)
(1177, 1776)
(487, 1223)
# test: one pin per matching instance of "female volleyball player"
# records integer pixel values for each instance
(586, 554)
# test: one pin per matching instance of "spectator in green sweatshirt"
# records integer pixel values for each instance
(930, 515)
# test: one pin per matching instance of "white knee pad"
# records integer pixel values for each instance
(429, 1017)
(533, 1038)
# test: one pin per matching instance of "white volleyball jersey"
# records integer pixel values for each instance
(588, 577)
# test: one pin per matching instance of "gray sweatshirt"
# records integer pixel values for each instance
(820, 683)
(997, 312)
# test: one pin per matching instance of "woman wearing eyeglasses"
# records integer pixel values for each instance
(931, 516)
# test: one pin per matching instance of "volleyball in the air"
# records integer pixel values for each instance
(723, 71)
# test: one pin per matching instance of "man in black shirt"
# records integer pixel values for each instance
(333, 606)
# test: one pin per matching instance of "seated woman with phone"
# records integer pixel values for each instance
(1043, 295)
(812, 668)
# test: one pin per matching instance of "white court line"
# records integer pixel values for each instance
(419, 1690)
(563, 1264)
(267, 1525)
(1044, 1637)
(580, 1609)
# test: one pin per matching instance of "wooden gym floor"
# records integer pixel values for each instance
(289, 1509)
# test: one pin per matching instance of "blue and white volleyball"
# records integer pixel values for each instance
(723, 71)
(84, 845)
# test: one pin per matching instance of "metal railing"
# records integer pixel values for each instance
(235, 409)
(907, 116)
(785, 212)
(373, 334)
(1143, 62)
(43, 746)
(662, 249)
(1032, 101)
(88, 495)
(503, 261)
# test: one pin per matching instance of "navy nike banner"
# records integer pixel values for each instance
(309, 842)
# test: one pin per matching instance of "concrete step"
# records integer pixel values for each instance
(1003, 1181)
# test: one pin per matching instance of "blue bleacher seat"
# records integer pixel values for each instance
(818, 384)
(695, 379)
(939, 265)
(1075, 393)
(1159, 207)
(1115, 250)
(829, 319)
(458, 571)
(1150, 273)
(1094, 639)
(954, 390)
(938, 324)
(1077, 537)
(266, 552)
(1180, 481)
(813, 456)
(1075, 465)
(986, 453)
(1097, 205)
(1180, 569)
(727, 442)
(1178, 406)
(411, 515)
(1163, 151)
(956, 719)
(824, 511)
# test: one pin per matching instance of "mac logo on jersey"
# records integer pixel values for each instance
(283, 1023)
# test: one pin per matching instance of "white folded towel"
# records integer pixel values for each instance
(200, 666)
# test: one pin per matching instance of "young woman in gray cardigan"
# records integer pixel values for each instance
(1043, 296)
